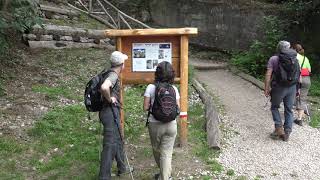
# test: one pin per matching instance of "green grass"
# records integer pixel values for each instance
(84, 21)
(198, 137)
(230, 172)
(53, 93)
(315, 86)
(2, 90)
(135, 117)
(9, 149)
(64, 134)
(315, 92)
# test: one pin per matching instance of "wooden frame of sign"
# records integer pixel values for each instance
(178, 38)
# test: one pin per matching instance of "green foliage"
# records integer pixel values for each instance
(255, 59)
(18, 16)
(230, 172)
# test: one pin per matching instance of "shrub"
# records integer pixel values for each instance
(16, 16)
(254, 60)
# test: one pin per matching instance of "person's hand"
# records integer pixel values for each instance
(267, 92)
(113, 100)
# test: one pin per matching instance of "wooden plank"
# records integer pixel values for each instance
(152, 32)
(184, 90)
(174, 40)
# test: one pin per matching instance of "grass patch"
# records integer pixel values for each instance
(9, 149)
(315, 86)
(84, 21)
(2, 90)
(315, 116)
(198, 137)
(63, 141)
(230, 172)
(53, 93)
(135, 117)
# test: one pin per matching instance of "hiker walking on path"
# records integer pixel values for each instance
(305, 67)
(110, 118)
(162, 134)
(283, 74)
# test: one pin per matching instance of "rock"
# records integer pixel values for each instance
(65, 38)
(46, 38)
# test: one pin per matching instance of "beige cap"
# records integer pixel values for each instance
(117, 58)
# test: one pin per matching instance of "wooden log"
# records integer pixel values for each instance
(104, 9)
(59, 10)
(124, 14)
(152, 32)
(212, 117)
(100, 19)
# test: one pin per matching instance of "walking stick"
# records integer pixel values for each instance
(118, 127)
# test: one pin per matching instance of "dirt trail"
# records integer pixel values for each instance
(252, 153)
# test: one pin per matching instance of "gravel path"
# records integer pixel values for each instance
(252, 153)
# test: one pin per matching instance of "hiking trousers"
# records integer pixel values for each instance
(287, 96)
(112, 144)
(162, 136)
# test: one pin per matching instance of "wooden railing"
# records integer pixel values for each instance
(106, 16)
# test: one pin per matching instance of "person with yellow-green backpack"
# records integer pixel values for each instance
(305, 68)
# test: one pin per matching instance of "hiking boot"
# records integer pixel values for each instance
(127, 171)
(277, 134)
(299, 122)
(286, 137)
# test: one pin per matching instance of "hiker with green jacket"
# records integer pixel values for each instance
(301, 99)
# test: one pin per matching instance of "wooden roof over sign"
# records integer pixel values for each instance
(151, 32)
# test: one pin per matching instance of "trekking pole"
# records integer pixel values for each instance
(118, 127)
(308, 114)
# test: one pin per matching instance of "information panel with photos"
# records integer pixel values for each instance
(146, 56)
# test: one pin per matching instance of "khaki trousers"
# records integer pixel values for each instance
(162, 136)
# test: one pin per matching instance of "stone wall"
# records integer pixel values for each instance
(227, 25)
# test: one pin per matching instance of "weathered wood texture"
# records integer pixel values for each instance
(184, 49)
(153, 32)
(212, 116)
(59, 10)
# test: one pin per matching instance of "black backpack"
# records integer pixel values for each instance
(93, 99)
(165, 108)
(288, 71)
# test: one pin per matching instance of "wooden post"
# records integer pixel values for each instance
(119, 48)
(184, 46)
(90, 7)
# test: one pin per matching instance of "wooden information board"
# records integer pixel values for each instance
(176, 40)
